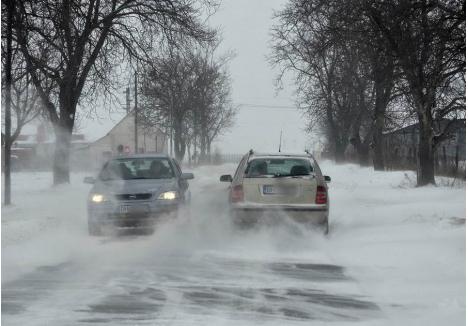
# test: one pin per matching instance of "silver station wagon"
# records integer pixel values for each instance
(136, 191)
(284, 185)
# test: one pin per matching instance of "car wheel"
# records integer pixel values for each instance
(241, 223)
(326, 227)
(187, 197)
(94, 228)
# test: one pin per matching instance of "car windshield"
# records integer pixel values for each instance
(137, 168)
(279, 167)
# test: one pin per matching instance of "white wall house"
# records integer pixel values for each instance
(121, 135)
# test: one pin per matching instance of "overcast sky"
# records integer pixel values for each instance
(245, 26)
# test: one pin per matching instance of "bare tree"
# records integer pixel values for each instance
(188, 91)
(212, 109)
(377, 71)
(351, 56)
(19, 95)
(427, 37)
(71, 46)
(331, 79)
(25, 102)
(164, 101)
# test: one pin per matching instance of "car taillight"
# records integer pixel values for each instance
(321, 195)
(237, 194)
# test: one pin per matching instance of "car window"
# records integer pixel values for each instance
(137, 168)
(241, 164)
(264, 167)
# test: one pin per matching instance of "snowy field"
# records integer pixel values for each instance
(395, 256)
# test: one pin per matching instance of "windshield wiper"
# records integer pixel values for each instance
(279, 175)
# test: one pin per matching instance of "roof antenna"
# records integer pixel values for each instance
(281, 136)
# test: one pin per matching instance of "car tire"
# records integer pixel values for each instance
(241, 223)
(238, 224)
(188, 197)
(326, 228)
(94, 229)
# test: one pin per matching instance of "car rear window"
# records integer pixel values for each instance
(137, 168)
(279, 167)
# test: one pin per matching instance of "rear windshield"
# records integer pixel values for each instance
(137, 168)
(278, 167)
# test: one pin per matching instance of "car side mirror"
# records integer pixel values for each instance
(90, 180)
(327, 178)
(226, 178)
(186, 176)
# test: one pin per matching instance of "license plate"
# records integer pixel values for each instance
(124, 209)
(278, 190)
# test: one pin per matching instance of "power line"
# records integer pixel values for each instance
(266, 106)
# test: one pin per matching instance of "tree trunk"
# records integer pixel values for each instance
(189, 153)
(8, 80)
(338, 145)
(195, 154)
(202, 147)
(457, 158)
(426, 152)
(339, 152)
(61, 167)
(208, 150)
(444, 160)
(363, 154)
(362, 151)
(379, 161)
(179, 143)
(384, 79)
(63, 129)
(179, 148)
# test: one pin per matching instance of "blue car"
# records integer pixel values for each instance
(136, 191)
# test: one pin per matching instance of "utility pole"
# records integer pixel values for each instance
(8, 80)
(171, 143)
(127, 99)
(136, 113)
(281, 136)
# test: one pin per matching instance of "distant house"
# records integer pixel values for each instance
(36, 151)
(401, 146)
(120, 139)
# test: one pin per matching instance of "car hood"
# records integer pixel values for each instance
(136, 186)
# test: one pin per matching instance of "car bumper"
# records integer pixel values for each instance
(251, 213)
(138, 215)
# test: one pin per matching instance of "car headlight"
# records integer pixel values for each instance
(169, 195)
(98, 198)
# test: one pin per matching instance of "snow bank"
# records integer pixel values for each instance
(404, 246)
(45, 224)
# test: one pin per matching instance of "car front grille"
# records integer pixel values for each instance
(133, 196)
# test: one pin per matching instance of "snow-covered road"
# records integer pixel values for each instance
(395, 256)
